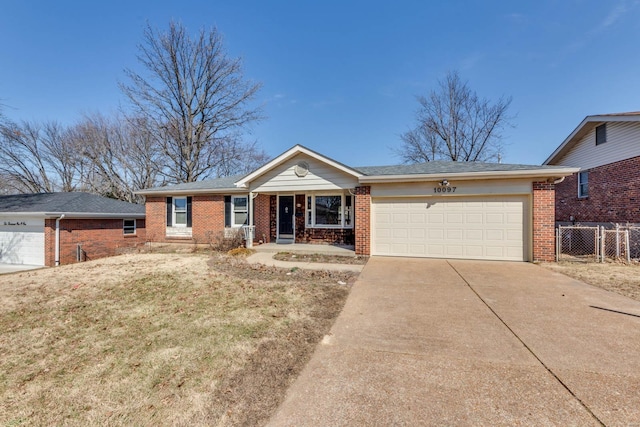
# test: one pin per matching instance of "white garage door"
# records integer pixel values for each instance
(22, 241)
(451, 227)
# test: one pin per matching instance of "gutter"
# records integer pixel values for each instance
(466, 176)
(91, 215)
(57, 252)
(232, 190)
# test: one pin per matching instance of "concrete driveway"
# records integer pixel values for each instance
(437, 342)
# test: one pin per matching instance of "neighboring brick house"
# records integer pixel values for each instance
(606, 148)
(62, 228)
(435, 209)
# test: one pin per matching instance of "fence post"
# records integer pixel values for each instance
(626, 242)
(558, 233)
(602, 244)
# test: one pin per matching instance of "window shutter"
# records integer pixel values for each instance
(188, 211)
(227, 211)
(169, 210)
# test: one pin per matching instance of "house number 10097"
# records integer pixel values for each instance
(444, 189)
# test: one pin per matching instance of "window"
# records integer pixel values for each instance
(240, 211)
(583, 184)
(129, 226)
(330, 211)
(236, 211)
(179, 211)
(601, 134)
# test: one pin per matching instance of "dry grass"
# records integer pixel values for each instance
(157, 339)
(623, 279)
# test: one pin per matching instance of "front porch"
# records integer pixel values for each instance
(295, 218)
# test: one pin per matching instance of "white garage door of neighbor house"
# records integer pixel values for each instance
(22, 241)
(491, 228)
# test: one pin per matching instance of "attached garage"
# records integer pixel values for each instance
(22, 240)
(469, 227)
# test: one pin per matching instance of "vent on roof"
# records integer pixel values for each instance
(302, 169)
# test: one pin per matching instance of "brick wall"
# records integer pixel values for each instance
(156, 218)
(544, 248)
(273, 217)
(335, 236)
(363, 220)
(262, 214)
(98, 238)
(207, 214)
(614, 195)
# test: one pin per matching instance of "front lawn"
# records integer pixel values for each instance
(615, 277)
(158, 339)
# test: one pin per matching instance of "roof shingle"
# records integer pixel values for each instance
(67, 203)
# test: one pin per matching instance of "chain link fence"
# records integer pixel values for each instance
(597, 243)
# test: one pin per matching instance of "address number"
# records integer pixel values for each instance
(444, 189)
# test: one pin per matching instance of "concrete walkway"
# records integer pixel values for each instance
(264, 255)
(437, 342)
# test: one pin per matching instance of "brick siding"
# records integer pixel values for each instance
(363, 220)
(207, 215)
(544, 248)
(261, 208)
(156, 214)
(273, 217)
(614, 195)
(98, 238)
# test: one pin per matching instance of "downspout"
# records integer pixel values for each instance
(57, 250)
(559, 180)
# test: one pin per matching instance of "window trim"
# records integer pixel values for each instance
(344, 213)
(233, 211)
(124, 226)
(583, 194)
(174, 223)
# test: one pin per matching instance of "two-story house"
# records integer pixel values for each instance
(606, 148)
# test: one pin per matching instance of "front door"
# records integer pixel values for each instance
(285, 217)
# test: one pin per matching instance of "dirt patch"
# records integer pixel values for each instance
(186, 339)
(330, 259)
(623, 279)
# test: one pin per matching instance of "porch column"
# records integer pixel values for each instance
(249, 241)
(363, 220)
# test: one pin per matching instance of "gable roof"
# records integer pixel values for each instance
(79, 205)
(585, 127)
(294, 151)
(434, 170)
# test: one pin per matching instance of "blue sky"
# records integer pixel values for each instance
(341, 77)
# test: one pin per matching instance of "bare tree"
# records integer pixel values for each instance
(121, 153)
(240, 158)
(195, 99)
(455, 124)
(37, 158)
